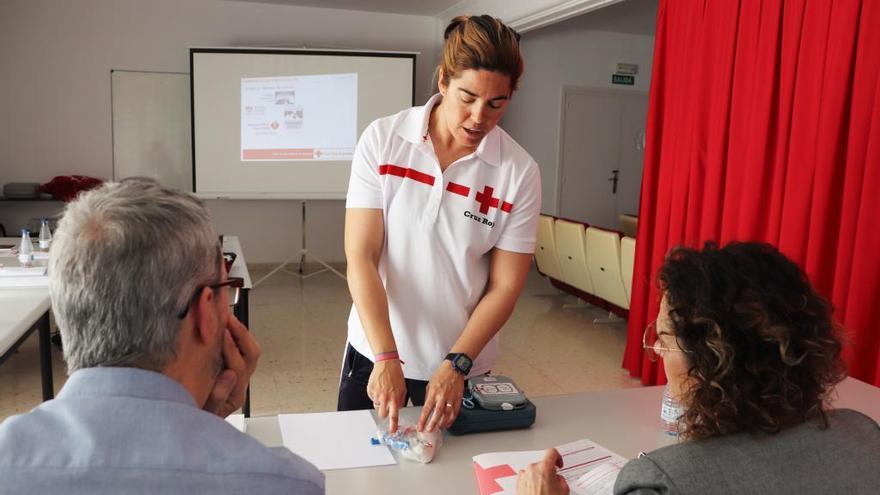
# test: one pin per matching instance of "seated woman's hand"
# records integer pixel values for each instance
(540, 478)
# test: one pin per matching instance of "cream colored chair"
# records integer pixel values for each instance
(627, 262)
(545, 251)
(603, 260)
(571, 253)
(629, 224)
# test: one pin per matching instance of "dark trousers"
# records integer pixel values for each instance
(353, 384)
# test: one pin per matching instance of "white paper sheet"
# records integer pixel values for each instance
(334, 440)
(15, 282)
(589, 468)
(22, 271)
(236, 420)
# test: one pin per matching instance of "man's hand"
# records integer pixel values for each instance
(540, 478)
(240, 355)
(387, 389)
(442, 398)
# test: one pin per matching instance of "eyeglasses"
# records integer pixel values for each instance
(233, 286)
(655, 350)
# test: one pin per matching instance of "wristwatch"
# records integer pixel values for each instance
(461, 362)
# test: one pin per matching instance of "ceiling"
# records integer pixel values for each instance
(413, 7)
(627, 16)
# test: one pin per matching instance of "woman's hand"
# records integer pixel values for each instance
(442, 398)
(540, 478)
(387, 389)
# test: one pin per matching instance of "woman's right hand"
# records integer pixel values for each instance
(541, 478)
(387, 389)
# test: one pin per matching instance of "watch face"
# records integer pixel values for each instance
(463, 362)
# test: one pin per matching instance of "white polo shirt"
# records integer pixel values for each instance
(440, 228)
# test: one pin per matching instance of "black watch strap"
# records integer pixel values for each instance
(461, 362)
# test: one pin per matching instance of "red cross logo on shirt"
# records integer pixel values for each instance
(487, 201)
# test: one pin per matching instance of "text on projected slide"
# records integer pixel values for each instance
(299, 118)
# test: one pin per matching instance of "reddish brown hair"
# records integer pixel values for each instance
(481, 42)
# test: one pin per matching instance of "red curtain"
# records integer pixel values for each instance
(764, 124)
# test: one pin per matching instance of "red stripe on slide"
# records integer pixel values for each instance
(458, 189)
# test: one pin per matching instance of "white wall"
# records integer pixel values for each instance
(55, 84)
(571, 53)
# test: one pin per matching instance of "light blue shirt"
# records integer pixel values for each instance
(125, 430)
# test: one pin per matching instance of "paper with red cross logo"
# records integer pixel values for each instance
(586, 466)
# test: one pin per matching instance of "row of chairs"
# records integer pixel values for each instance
(592, 263)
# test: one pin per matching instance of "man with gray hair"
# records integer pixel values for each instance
(141, 295)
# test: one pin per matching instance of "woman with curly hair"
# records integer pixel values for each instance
(752, 353)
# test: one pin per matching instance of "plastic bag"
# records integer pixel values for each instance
(411, 443)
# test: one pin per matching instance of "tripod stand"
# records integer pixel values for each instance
(302, 255)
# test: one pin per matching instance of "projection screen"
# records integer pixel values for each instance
(283, 124)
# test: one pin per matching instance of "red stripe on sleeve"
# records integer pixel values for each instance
(458, 189)
(506, 207)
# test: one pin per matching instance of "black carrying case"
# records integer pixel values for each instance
(479, 419)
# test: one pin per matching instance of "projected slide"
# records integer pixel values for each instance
(299, 118)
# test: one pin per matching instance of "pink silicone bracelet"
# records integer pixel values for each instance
(387, 356)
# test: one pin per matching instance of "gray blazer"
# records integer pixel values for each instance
(845, 458)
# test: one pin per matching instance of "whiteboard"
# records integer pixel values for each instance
(151, 127)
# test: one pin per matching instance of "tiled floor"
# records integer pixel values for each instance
(301, 326)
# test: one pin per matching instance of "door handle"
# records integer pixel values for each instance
(615, 176)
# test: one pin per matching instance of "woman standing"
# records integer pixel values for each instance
(440, 228)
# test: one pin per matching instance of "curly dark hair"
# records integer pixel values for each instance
(762, 348)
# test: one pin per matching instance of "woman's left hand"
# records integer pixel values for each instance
(442, 398)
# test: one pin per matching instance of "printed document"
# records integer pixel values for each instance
(589, 468)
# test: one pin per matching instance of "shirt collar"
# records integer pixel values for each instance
(128, 382)
(414, 129)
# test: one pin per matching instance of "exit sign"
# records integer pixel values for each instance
(623, 79)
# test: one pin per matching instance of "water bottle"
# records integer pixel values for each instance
(670, 413)
(45, 234)
(25, 249)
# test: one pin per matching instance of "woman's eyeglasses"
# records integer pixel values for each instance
(652, 345)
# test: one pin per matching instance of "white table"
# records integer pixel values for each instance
(242, 309)
(22, 311)
(627, 421)
(239, 266)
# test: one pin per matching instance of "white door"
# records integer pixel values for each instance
(601, 154)
(633, 118)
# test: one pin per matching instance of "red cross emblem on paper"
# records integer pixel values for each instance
(486, 477)
(487, 201)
